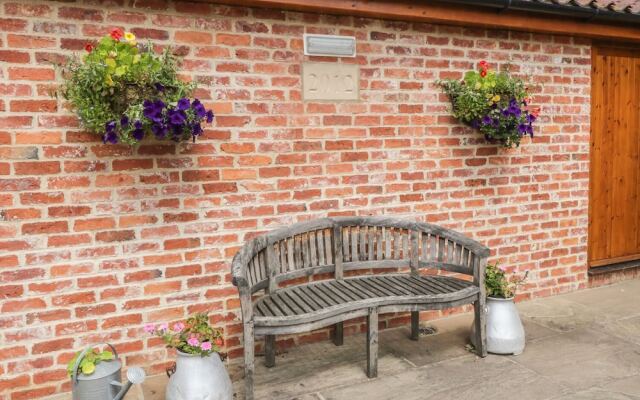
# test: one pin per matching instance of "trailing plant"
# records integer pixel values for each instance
(89, 361)
(495, 103)
(124, 91)
(194, 336)
(497, 283)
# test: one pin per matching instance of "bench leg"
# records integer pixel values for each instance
(479, 308)
(415, 325)
(338, 334)
(270, 350)
(249, 359)
(372, 343)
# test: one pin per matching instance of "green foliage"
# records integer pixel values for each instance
(194, 336)
(115, 78)
(494, 103)
(89, 361)
(498, 285)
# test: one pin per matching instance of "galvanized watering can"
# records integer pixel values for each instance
(104, 383)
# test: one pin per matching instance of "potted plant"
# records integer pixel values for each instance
(199, 372)
(124, 91)
(505, 333)
(496, 104)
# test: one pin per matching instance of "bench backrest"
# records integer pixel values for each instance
(341, 244)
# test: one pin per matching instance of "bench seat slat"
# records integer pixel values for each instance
(318, 300)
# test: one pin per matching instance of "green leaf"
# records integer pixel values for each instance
(110, 62)
(105, 356)
(87, 367)
(121, 70)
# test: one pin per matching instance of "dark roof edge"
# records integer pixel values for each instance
(588, 14)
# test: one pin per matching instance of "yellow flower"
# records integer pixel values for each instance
(496, 98)
(129, 37)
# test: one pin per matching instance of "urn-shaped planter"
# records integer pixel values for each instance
(505, 333)
(199, 378)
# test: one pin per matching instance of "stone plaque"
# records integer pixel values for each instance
(330, 82)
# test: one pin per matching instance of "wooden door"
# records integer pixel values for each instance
(614, 186)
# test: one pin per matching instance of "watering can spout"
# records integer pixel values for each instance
(135, 375)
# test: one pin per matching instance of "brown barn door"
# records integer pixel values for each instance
(614, 187)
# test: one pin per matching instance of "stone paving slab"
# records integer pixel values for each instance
(580, 346)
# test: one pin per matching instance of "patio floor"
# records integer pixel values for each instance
(583, 346)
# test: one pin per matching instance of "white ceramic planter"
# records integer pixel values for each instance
(505, 333)
(199, 378)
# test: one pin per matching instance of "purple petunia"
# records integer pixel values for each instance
(138, 132)
(486, 120)
(124, 121)
(198, 108)
(522, 128)
(159, 87)
(176, 117)
(153, 110)
(160, 130)
(210, 116)
(110, 138)
(183, 104)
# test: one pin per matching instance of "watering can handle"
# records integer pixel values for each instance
(74, 376)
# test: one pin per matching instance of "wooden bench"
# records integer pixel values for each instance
(324, 251)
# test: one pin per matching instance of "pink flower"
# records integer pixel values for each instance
(193, 341)
(149, 328)
(163, 327)
(206, 346)
(178, 327)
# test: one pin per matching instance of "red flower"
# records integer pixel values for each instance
(116, 34)
(483, 64)
(483, 73)
(88, 47)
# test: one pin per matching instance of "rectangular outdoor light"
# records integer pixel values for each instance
(329, 45)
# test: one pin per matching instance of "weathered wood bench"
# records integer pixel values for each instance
(335, 246)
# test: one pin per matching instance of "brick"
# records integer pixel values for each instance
(52, 345)
(30, 42)
(14, 57)
(193, 37)
(78, 13)
(31, 74)
(37, 228)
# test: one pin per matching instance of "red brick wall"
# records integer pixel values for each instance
(96, 239)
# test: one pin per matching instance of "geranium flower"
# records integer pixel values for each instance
(193, 341)
(88, 47)
(483, 73)
(116, 34)
(149, 328)
(206, 346)
(178, 327)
